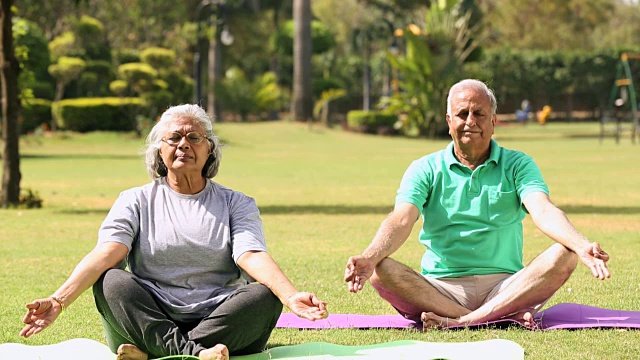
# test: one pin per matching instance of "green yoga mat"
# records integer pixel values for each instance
(397, 350)
(82, 349)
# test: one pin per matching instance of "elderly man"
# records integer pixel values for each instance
(473, 196)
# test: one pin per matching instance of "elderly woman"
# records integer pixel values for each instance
(181, 266)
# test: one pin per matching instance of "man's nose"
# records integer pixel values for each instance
(471, 120)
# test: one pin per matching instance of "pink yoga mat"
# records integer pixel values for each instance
(560, 316)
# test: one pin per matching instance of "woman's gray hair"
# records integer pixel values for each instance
(475, 85)
(155, 166)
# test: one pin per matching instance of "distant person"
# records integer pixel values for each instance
(192, 249)
(544, 114)
(522, 114)
(472, 197)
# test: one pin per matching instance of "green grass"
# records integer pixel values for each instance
(322, 194)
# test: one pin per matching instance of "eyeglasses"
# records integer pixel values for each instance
(174, 138)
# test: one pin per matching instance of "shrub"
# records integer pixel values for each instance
(125, 56)
(372, 122)
(35, 112)
(119, 87)
(321, 37)
(324, 84)
(43, 90)
(139, 75)
(180, 86)
(91, 114)
(29, 199)
(158, 58)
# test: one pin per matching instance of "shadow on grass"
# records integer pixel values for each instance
(324, 209)
(79, 156)
(373, 209)
(102, 212)
(596, 209)
(540, 137)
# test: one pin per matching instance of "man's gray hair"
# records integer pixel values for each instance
(155, 166)
(475, 85)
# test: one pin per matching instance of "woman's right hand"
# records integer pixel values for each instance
(40, 314)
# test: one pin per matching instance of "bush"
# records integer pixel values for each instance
(324, 84)
(158, 58)
(35, 112)
(180, 86)
(91, 114)
(139, 75)
(126, 56)
(372, 122)
(29, 199)
(321, 37)
(43, 90)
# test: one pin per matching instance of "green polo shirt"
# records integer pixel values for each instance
(472, 220)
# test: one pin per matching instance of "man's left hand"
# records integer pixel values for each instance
(593, 257)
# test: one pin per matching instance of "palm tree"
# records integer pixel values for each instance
(302, 102)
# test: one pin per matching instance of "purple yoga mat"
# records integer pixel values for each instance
(560, 316)
(346, 321)
(577, 316)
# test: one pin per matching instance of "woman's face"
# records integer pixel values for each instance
(184, 148)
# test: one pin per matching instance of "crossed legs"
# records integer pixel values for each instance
(517, 298)
(137, 328)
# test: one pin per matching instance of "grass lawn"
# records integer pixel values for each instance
(323, 194)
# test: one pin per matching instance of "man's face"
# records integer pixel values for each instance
(471, 121)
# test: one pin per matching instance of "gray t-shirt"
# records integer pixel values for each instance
(184, 248)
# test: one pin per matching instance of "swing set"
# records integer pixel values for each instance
(622, 115)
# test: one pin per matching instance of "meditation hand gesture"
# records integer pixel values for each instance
(41, 313)
(308, 306)
(359, 270)
(593, 257)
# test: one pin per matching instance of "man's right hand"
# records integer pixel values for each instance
(359, 270)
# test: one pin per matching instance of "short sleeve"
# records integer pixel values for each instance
(123, 220)
(415, 185)
(245, 224)
(528, 178)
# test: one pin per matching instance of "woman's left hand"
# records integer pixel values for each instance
(308, 306)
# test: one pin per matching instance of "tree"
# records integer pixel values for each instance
(302, 102)
(10, 110)
(66, 70)
(546, 24)
(433, 62)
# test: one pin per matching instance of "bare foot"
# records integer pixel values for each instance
(218, 352)
(433, 321)
(130, 352)
(525, 318)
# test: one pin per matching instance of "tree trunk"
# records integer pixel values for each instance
(215, 70)
(302, 102)
(366, 73)
(59, 93)
(10, 109)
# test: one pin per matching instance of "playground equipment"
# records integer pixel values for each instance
(622, 114)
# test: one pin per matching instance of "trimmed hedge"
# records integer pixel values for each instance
(91, 114)
(35, 112)
(373, 122)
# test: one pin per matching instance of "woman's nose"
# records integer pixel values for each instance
(183, 144)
